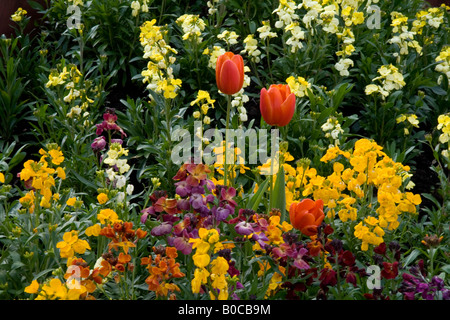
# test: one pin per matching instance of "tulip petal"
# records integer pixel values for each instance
(229, 78)
(309, 230)
(265, 105)
(287, 110)
(276, 101)
(219, 63)
(239, 62)
(306, 204)
(306, 220)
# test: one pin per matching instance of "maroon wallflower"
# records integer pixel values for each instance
(327, 278)
(380, 249)
(390, 270)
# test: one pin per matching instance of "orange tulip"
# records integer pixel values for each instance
(230, 73)
(306, 216)
(277, 105)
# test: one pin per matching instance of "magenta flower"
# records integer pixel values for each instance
(99, 143)
(109, 123)
(146, 212)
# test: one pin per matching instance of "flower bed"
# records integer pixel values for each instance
(237, 150)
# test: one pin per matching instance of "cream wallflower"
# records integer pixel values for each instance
(265, 31)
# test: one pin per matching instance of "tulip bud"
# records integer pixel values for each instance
(306, 215)
(277, 105)
(230, 73)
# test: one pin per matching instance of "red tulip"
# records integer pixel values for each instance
(277, 105)
(306, 216)
(230, 73)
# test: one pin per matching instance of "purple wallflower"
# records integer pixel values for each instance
(146, 212)
(181, 243)
(299, 263)
(162, 229)
(221, 213)
(182, 188)
(243, 228)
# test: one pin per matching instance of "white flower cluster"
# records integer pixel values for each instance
(230, 37)
(332, 130)
(192, 26)
(136, 6)
(391, 79)
(251, 48)
(117, 167)
(240, 98)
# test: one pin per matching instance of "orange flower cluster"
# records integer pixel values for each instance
(79, 275)
(122, 235)
(162, 269)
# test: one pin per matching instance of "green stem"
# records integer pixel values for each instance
(226, 140)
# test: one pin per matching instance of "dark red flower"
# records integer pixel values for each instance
(390, 270)
(380, 249)
(347, 258)
(327, 278)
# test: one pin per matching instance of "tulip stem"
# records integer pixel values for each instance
(226, 139)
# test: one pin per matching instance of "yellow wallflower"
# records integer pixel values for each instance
(93, 230)
(107, 216)
(71, 201)
(32, 288)
(102, 198)
(18, 15)
(71, 244)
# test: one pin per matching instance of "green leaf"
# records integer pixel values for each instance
(279, 194)
(412, 256)
(254, 201)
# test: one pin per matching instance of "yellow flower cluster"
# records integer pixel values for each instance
(390, 78)
(434, 17)
(403, 38)
(18, 15)
(349, 191)
(444, 126)
(237, 164)
(54, 289)
(159, 73)
(207, 271)
(213, 54)
(192, 26)
(205, 102)
(71, 244)
(113, 159)
(40, 177)
(265, 31)
(230, 37)
(351, 17)
(71, 78)
(298, 86)
(443, 65)
(411, 121)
